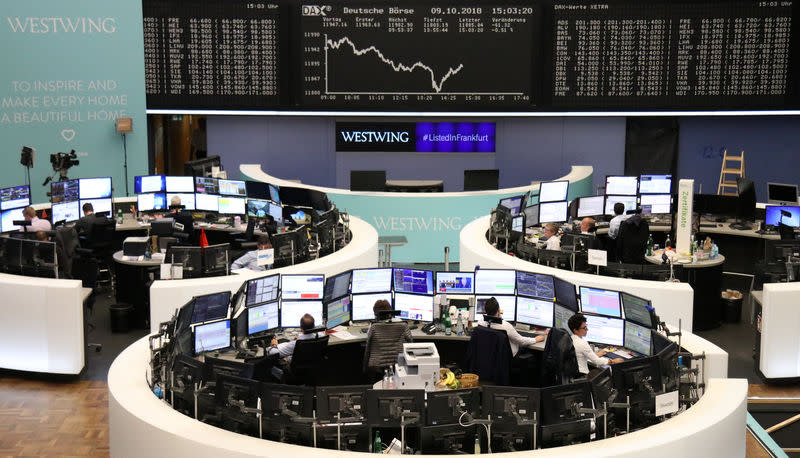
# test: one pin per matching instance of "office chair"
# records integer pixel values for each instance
(368, 180)
(489, 355)
(67, 244)
(384, 343)
(246, 237)
(559, 363)
(632, 240)
(481, 180)
(786, 232)
(97, 247)
(308, 361)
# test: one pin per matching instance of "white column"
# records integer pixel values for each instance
(683, 231)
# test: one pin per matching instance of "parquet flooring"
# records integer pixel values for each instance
(43, 418)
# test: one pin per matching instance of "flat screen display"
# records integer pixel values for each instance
(98, 205)
(535, 285)
(274, 194)
(206, 202)
(655, 184)
(590, 206)
(600, 301)
(293, 311)
(337, 286)
(276, 211)
(64, 191)
(531, 216)
(538, 312)
(638, 338)
(302, 286)
(518, 223)
(637, 310)
(553, 212)
(232, 205)
(7, 218)
(561, 316)
(95, 188)
(149, 183)
(605, 330)
(455, 283)
(212, 336)
(15, 197)
(630, 203)
(788, 215)
(493, 281)
(512, 203)
(414, 307)
(66, 211)
(338, 312)
(262, 317)
(553, 191)
(257, 208)
(371, 280)
(151, 202)
(363, 303)
(621, 185)
(565, 294)
(413, 281)
(206, 185)
(653, 204)
(232, 188)
(262, 289)
(210, 307)
(187, 199)
(176, 184)
(508, 305)
(781, 194)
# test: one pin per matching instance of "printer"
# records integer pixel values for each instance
(135, 246)
(417, 367)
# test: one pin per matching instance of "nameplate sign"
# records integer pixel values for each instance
(598, 257)
(667, 403)
(266, 257)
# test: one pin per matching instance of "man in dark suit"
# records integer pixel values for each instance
(88, 221)
(183, 217)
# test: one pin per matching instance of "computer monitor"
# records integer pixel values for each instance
(179, 184)
(262, 289)
(449, 406)
(536, 312)
(716, 205)
(206, 202)
(561, 316)
(261, 318)
(747, 199)
(386, 407)
(414, 281)
(215, 367)
(560, 403)
(455, 283)
(274, 193)
(600, 301)
(517, 226)
(149, 183)
(591, 206)
(535, 285)
(621, 185)
(553, 191)
(780, 250)
(447, 439)
(652, 204)
(630, 203)
(655, 184)
(64, 191)
(232, 188)
(337, 286)
(639, 379)
(348, 403)
(566, 433)
(363, 303)
(187, 199)
(215, 335)
(507, 404)
(190, 257)
(302, 286)
(513, 204)
(338, 311)
(231, 395)
(156, 201)
(788, 215)
(667, 353)
(102, 205)
(206, 185)
(279, 400)
(495, 281)
(257, 208)
(781, 194)
(507, 304)
(210, 307)
(531, 216)
(565, 294)
(66, 211)
(414, 306)
(7, 218)
(605, 330)
(638, 338)
(15, 197)
(232, 205)
(216, 259)
(372, 280)
(292, 311)
(95, 188)
(553, 212)
(638, 310)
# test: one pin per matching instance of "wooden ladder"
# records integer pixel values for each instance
(729, 173)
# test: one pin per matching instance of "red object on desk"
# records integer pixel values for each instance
(203, 239)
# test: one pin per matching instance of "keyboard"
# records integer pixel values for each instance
(530, 333)
(282, 340)
(614, 353)
(708, 224)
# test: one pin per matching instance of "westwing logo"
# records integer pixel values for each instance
(47, 25)
(366, 136)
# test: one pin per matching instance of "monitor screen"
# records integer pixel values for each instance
(151, 202)
(638, 338)
(538, 312)
(565, 294)
(553, 191)
(371, 280)
(64, 191)
(210, 307)
(274, 194)
(232, 188)
(276, 211)
(95, 188)
(337, 286)
(508, 305)
(262, 317)
(293, 311)
(263, 289)
(187, 199)
(232, 205)
(629, 202)
(621, 185)
(257, 189)
(655, 184)
(553, 212)
(781, 194)
(15, 197)
(512, 203)
(7, 218)
(149, 183)
(535, 285)
(212, 336)
(65, 211)
(98, 205)
(414, 306)
(637, 310)
(206, 202)
(175, 184)
(746, 208)
(561, 316)
(206, 185)
(655, 203)
(455, 283)
(338, 312)
(605, 330)
(531, 215)
(600, 301)
(363, 303)
(787, 215)
(590, 206)
(413, 281)
(518, 223)
(493, 281)
(257, 208)
(302, 286)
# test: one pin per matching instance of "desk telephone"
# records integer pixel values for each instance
(429, 328)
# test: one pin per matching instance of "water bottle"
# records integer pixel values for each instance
(448, 325)
(385, 383)
(714, 251)
(376, 446)
(460, 326)
(477, 444)
(390, 382)
(119, 216)
(650, 245)
(147, 254)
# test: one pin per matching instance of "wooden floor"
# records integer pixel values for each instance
(40, 418)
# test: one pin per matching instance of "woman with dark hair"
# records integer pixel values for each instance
(515, 340)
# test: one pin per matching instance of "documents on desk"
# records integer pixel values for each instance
(341, 333)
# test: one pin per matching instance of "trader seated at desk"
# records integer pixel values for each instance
(384, 340)
(286, 349)
(89, 220)
(551, 238)
(515, 340)
(588, 226)
(182, 216)
(583, 352)
(616, 221)
(37, 224)
(250, 259)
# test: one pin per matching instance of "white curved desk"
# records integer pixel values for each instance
(168, 295)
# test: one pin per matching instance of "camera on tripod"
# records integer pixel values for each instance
(62, 162)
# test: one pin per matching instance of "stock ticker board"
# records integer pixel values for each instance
(516, 56)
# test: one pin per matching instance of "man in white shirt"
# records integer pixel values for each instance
(587, 226)
(613, 225)
(515, 340)
(37, 224)
(551, 236)
(286, 349)
(583, 352)
(250, 259)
